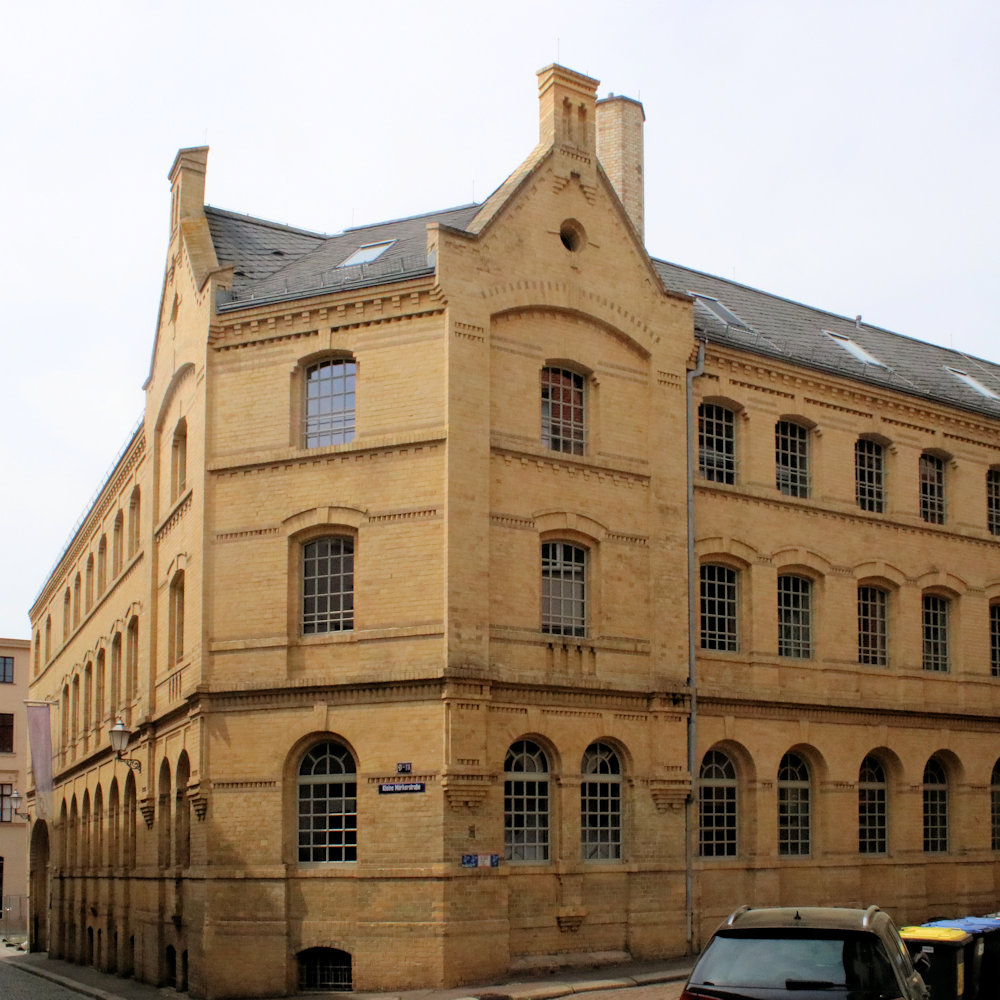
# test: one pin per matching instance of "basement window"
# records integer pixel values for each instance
(366, 254)
(972, 383)
(855, 350)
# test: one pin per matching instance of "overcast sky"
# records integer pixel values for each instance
(842, 154)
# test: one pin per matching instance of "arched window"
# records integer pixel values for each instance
(791, 458)
(38, 651)
(88, 589)
(131, 666)
(935, 807)
(328, 585)
(182, 814)
(601, 804)
(77, 599)
(114, 827)
(794, 818)
(526, 803)
(795, 617)
(175, 620)
(178, 460)
(872, 807)
(133, 522)
(995, 807)
(99, 688)
(719, 605)
(328, 807)
(717, 806)
(116, 673)
(869, 475)
(164, 819)
(717, 443)
(102, 564)
(88, 697)
(932, 500)
(117, 543)
(74, 711)
(129, 824)
(330, 402)
(48, 638)
(97, 822)
(67, 614)
(564, 589)
(563, 411)
(324, 970)
(873, 626)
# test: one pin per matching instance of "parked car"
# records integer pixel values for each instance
(805, 953)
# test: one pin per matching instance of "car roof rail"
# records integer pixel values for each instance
(869, 914)
(736, 914)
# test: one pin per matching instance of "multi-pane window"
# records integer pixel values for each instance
(794, 616)
(717, 799)
(6, 732)
(564, 588)
(995, 807)
(873, 626)
(935, 633)
(869, 475)
(791, 458)
(328, 585)
(719, 607)
(526, 803)
(7, 668)
(6, 806)
(995, 640)
(329, 402)
(935, 807)
(563, 426)
(993, 501)
(716, 443)
(793, 805)
(328, 807)
(932, 489)
(872, 809)
(601, 804)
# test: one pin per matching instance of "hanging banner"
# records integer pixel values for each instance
(40, 742)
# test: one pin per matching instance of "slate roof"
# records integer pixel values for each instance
(272, 263)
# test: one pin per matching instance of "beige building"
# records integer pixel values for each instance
(442, 654)
(13, 771)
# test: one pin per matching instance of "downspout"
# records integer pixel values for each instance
(692, 680)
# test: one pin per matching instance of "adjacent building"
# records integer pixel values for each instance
(478, 592)
(13, 771)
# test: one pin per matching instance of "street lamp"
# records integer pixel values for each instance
(119, 741)
(15, 802)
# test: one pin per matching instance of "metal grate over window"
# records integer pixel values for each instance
(324, 969)
(719, 608)
(869, 475)
(935, 807)
(791, 459)
(328, 585)
(872, 814)
(330, 403)
(794, 616)
(995, 640)
(716, 443)
(932, 489)
(717, 806)
(328, 808)
(564, 589)
(873, 626)
(526, 803)
(563, 427)
(935, 628)
(793, 806)
(993, 501)
(601, 804)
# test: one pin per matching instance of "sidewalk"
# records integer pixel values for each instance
(560, 983)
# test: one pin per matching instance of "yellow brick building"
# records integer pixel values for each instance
(442, 654)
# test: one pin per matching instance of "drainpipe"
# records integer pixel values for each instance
(692, 680)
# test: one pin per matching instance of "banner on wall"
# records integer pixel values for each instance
(40, 744)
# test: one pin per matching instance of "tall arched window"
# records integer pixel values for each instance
(88, 697)
(178, 460)
(114, 827)
(48, 638)
(131, 666)
(328, 585)
(129, 823)
(873, 821)
(932, 498)
(182, 814)
(164, 819)
(116, 673)
(328, 806)
(935, 807)
(133, 522)
(175, 620)
(88, 589)
(717, 806)
(97, 823)
(77, 599)
(67, 614)
(873, 626)
(526, 803)
(330, 402)
(117, 543)
(100, 679)
(601, 804)
(794, 818)
(102, 564)
(791, 458)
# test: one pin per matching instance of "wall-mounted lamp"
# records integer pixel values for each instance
(119, 741)
(15, 803)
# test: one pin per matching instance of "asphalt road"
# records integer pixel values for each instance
(18, 985)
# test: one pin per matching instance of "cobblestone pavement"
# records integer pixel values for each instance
(16, 984)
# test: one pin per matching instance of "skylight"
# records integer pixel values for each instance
(366, 254)
(855, 350)
(972, 383)
(721, 312)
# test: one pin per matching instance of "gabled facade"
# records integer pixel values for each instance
(435, 637)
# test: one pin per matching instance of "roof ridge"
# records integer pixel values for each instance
(408, 218)
(256, 220)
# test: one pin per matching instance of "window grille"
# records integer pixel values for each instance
(791, 456)
(330, 403)
(717, 806)
(601, 804)
(563, 427)
(716, 443)
(564, 589)
(794, 617)
(993, 501)
(793, 806)
(935, 808)
(872, 815)
(932, 489)
(328, 585)
(328, 809)
(719, 608)
(873, 626)
(995, 807)
(869, 473)
(526, 803)
(324, 970)
(995, 640)
(935, 627)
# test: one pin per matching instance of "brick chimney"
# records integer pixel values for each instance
(566, 109)
(187, 184)
(619, 148)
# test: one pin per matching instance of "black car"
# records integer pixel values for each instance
(805, 953)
